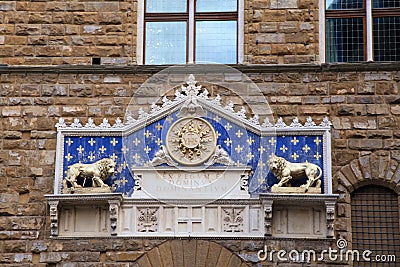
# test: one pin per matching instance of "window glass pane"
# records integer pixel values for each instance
(386, 3)
(159, 6)
(165, 43)
(344, 40)
(387, 39)
(211, 6)
(344, 4)
(216, 41)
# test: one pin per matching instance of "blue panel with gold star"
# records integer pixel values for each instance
(243, 146)
(297, 149)
(89, 149)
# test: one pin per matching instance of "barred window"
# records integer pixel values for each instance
(360, 30)
(375, 223)
(188, 31)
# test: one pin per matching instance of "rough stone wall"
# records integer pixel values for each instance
(67, 32)
(363, 106)
(104, 32)
(281, 31)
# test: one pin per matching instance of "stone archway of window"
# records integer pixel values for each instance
(378, 169)
(189, 253)
(373, 169)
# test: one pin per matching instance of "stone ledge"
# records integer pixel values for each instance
(245, 68)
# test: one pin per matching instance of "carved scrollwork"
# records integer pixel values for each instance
(232, 219)
(147, 219)
(220, 156)
(161, 157)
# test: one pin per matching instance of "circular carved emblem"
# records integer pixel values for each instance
(191, 141)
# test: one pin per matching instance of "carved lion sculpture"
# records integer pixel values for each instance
(97, 171)
(286, 171)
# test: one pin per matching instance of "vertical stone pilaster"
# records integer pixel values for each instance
(114, 213)
(330, 218)
(53, 218)
(267, 204)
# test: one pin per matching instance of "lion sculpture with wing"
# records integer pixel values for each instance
(285, 171)
(98, 171)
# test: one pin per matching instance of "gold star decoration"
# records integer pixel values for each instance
(239, 149)
(136, 141)
(114, 141)
(80, 149)
(147, 134)
(124, 149)
(317, 156)
(239, 133)
(228, 142)
(136, 157)
(272, 141)
(69, 157)
(92, 141)
(102, 149)
(91, 156)
(317, 141)
(158, 126)
(306, 148)
(147, 149)
(250, 141)
(250, 156)
(69, 142)
(294, 141)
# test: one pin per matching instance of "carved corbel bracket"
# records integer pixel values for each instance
(53, 218)
(114, 213)
(267, 205)
(330, 218)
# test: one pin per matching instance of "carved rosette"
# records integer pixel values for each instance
(232, 219)
(191, 141)
(147, 220)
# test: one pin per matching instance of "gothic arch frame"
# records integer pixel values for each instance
(189, 252)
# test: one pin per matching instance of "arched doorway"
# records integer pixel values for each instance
(375, 223)
(190, 253)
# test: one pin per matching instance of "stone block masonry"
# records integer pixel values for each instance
(104, 32)
(363, 106)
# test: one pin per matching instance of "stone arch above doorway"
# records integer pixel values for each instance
(190, 253)
(375, 168)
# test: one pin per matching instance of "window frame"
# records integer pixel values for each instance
(190, 16)
(368, 13)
